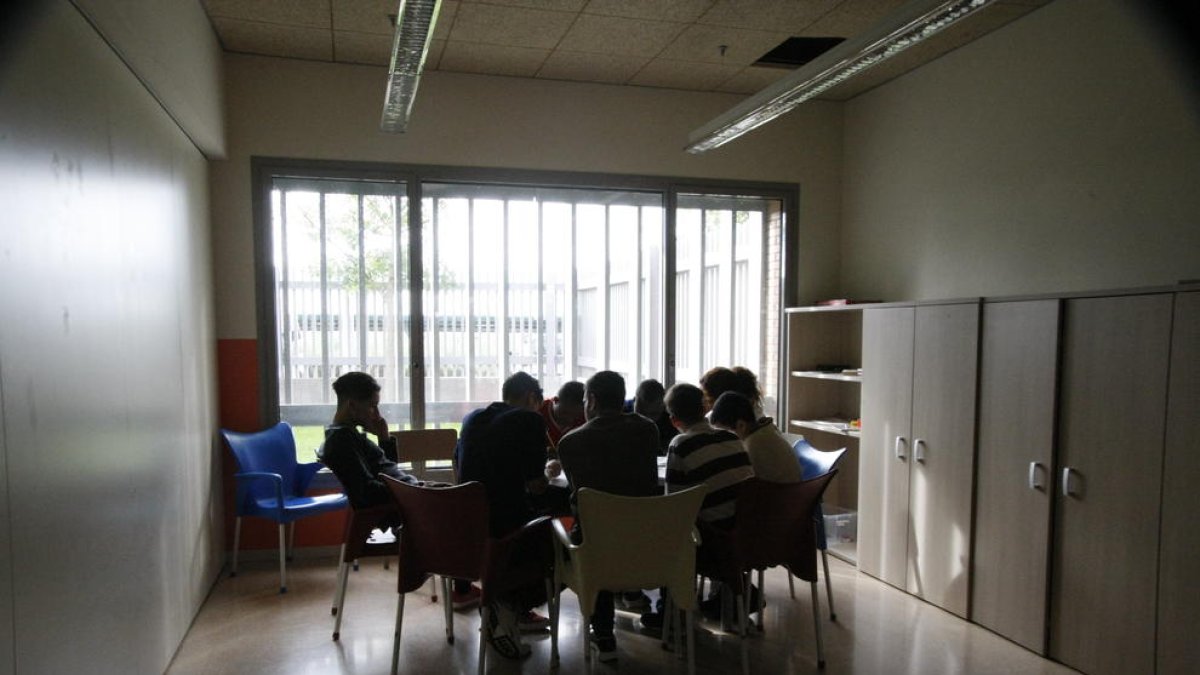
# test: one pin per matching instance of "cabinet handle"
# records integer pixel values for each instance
(1066, 482)
(898, 446)
(918, 453)
(1035, 477)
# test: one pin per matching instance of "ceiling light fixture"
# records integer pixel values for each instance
(414, 28)
(900, 30)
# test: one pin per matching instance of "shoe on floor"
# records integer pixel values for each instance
(633, 601)
(532, 622)
(468, 598)
(605, 647)
(504, 634)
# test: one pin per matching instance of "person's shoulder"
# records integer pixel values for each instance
(512, 415)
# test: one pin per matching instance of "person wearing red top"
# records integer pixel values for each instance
(562, 413)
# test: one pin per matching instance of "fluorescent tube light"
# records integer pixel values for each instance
(415, 20)
(900, 30)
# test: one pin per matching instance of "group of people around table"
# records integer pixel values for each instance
(520, 447)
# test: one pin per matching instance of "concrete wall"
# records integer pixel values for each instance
(109, 484)
(288, 108)
(1058, 153)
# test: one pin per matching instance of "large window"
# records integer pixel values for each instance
(440, 303)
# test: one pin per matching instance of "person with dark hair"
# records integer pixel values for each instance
(648, 402)
(615, 452)
(503, 446)
(717, 381)
(770, 453)
(349, 454)
(745, 382)
(563, 413)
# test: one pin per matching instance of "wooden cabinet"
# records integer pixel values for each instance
(1103, 591)
(1018, 377)
(917, 450)
(1178, 586)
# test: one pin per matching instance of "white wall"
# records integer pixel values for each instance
(288, 108)
(110, 530)
(1058, 153)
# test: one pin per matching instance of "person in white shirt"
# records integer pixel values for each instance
(770, 453)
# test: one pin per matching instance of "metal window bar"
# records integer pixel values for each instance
(502, 325)
(572, 315)
(324, 302)
(416, 309)
(362, 288)
(606, 298)
(637, 285)
(470, 325)
(435, 277)
(733, 303)
(285, 325)
(541, 291)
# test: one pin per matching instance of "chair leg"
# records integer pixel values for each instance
(396, 637)
(291, 551)
(816, 602)
(828, 586)
(448, 610)
(343, 579)
(791, 584)
(552, 599)
(668, 605)
(282, 559)
(762, 600)
(691, 642)
(432, 589)
(336, 590)
(484, 633)
(237, 539)
(743, 613)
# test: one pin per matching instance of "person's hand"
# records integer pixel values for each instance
(379, 427)
(553, 469)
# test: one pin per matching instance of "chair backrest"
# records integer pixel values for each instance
(774, 525)
(443, 531)
(421, 446)
(814, 462)
(272, 450)
(638, 542)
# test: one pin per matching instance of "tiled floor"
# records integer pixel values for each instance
(247, 627)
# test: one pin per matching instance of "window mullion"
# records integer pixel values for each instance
(416, 305)
(637, 303)
(325, 322)
(732, 285)
(362, 289)
(286, 322)
(572, 319)
(432, 321)
(541, 292)
(470, 322)
(502, 322)
(606, 297)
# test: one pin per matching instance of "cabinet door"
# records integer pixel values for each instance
(1178, 589)
(1018, 373)
(883, 446)
(946, 352)
(1113, 412)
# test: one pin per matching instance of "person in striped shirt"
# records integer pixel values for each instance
(702, 454)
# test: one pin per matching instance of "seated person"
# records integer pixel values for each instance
(648, 402)
(746, 384)
(615, 452)
(770, 453)
(503, 446)
(350, 455)
(714, 382)
(562, 413)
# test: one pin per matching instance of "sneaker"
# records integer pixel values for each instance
(505, 636)
(605, 647)
(465, 599)
(632, 601)
(532, 622)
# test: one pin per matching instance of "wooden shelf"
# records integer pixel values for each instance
(818, 375)
(816, 425)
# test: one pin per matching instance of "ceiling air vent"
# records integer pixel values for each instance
(797, 51)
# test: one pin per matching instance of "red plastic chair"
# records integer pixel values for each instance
(773, 526)
(445, 532)
(357, 543)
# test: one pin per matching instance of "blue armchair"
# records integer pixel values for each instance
(270, 484)
(814, 463)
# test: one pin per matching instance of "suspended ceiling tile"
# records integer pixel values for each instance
(851, 18)
(584, 67)
(513, 26)
(683, 75)
(559, 5)
(685, 11)
(703, 43)
(790, 16)
(445, 19)
(472, 57)
(353, 47)
(365, 16)
(434, 58)
(615, 35)
(274, 39)
(752, 80)
(291, 12)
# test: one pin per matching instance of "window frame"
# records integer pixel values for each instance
(264, 170)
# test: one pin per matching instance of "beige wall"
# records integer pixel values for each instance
(1058, 153)
(287, 108)
(109, 484)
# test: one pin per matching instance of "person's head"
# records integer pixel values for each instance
(715, 382)
(521, 390)
(746, 384)
(734, 412)
(648, 400)
(568, 404)
(357, 398)
(685, 404)
(605, 393)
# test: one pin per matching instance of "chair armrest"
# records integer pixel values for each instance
(562, 535)
(696, 538)
(244, 480)
(304, 475)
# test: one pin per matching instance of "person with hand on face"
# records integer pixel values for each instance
(350, 454)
